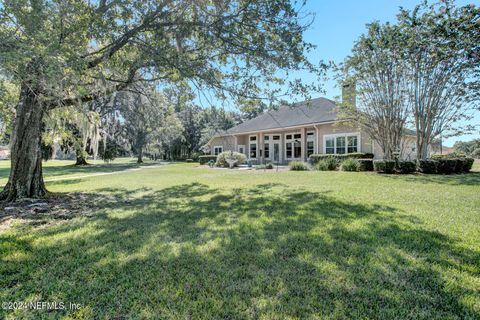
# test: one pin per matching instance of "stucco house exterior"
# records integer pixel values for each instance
(295, 132)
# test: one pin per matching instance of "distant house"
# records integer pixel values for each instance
(296, 132)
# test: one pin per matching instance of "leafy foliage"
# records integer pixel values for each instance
(298, 166)
(235, 158)
(350, 164)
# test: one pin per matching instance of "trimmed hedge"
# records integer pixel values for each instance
(446, 166)
(365, 164)
(427, 166)
(406, 167)
(468, 164)
(204, 159)
(384, 166)
(315, 158)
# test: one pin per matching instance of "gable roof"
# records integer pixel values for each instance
(303, 113)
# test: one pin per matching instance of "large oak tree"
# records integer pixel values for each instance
(67, 52)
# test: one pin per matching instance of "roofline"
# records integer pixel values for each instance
(275, 129)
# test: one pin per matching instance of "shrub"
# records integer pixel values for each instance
(459, 165)
(206, 158)
(189, 160)
(269, 165)
(446, 166)
(315, 158)
(350, 164)
(298, 166)
(222, 158)
(406, 167)
(384, 166)
(330, 163)
(365, 164)
(427, 166)
(467, 164)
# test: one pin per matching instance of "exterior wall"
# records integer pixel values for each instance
(232, 143)
(407, 151)
(227, 142)
(334, 128)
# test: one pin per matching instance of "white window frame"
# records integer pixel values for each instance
(346, 135)
(313, 139)
(250, 143)
(292, 140)
(241, 146)
(217, 147)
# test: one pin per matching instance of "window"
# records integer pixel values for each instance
(276, 137)
(310, 134)
(217, 150)
(340, 148)
(253, 138)
(297, 136)
(266, 138)
(253, 150)
(330, 145)
(241, 148)
(289, 149)
(309, 148)
(288, 137)
(267, 150)
(342, 143)
(352, 144)
(297, 150)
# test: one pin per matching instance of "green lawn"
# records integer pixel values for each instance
(181, 242)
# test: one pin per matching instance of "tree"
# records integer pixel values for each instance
(8, 96)
(143, 111)
(442, 50)
(68, 52)
(469, 148)
(378, 77)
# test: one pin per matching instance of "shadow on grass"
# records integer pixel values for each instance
(191, 251)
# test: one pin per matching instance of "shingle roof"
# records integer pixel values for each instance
(302, 113)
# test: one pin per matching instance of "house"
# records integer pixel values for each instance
(295, 132)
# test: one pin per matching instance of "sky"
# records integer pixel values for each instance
(337, 25)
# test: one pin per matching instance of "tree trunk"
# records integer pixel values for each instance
(81, 161)
(140, 156)
(26, 180)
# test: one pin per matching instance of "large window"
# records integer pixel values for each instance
(352, 144)
(340, 147)
(267, 150)
(310, 148)
(253, 150)
(330, 145)
(289, 149)
(341, 143)
(297, 149)
(217, 150)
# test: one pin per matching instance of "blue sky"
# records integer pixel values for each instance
(338, 23)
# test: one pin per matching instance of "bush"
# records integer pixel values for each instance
(315, 158)
(298, 166)
(269, 165)
(365, 164)
(239, 158)
(406, 167)
(384, 166)
(467, 164)
(350, 164)
(206, 158)
(330, 163)
(446, 166)
(427, 166)
(189, 160)
(459, 165)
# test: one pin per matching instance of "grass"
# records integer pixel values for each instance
(178, 241)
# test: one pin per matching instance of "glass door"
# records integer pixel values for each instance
(276, 152)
